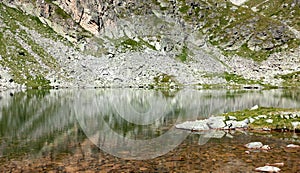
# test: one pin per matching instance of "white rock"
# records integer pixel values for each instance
(269, 121)
(254, 107)
(254, 145)
(266, 147)
(238, 2)
(216, 122)
(262, 116)
(295, 124)
(266, 129)
(268, 169)
(251, 120)
(293, 146)
(232, 117)
(193, 125)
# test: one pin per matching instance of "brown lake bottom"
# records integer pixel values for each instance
(217, 155)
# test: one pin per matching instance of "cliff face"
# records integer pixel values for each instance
(157, 42)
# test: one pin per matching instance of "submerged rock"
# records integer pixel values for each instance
(293, 146)
(267, 169)
(254, 145)
(266, 147)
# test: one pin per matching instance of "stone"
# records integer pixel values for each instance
(216, 122)
(254, 107)
(268, 169)
(251, 120)
(293, 146)
(265, 147)
(197, 125)
(232, 117)
(254, 145)
(269, 121)
(214, 134)
(266, 129)
(296, 124)
(262, 116)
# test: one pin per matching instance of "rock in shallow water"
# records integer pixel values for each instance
(216, 122)
(293, 146)
(200, 125)
(267, 169)
(254, 145)
(193, 125)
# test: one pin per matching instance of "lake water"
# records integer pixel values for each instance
(132, 130)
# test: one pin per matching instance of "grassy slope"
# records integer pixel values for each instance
(25, 68)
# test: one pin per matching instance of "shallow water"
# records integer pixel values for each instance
(123, 130)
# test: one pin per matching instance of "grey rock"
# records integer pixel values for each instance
(216, 122)
(198, 125)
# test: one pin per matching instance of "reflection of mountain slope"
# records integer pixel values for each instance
(34, 118)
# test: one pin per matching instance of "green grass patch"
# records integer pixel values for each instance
(184, 9)
(232, 78)
(127, 44)
(183, 56)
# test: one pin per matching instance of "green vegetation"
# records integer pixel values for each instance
(184, 9)
(232, 78)
(62, 13)
(128, 44)
(165, 81)
(291, 79)
(282, 118)
(183, 56)
(163, 78)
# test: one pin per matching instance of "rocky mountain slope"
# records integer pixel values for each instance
(133, 43)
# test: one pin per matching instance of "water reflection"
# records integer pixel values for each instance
(128, 123)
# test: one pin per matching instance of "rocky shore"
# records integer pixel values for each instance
(257, 119)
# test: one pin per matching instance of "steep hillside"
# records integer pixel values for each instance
(149, 43)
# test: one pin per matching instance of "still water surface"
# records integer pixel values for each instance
(123, 130)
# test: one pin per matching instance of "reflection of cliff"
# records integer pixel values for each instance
(118, 107)
(52, 116)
